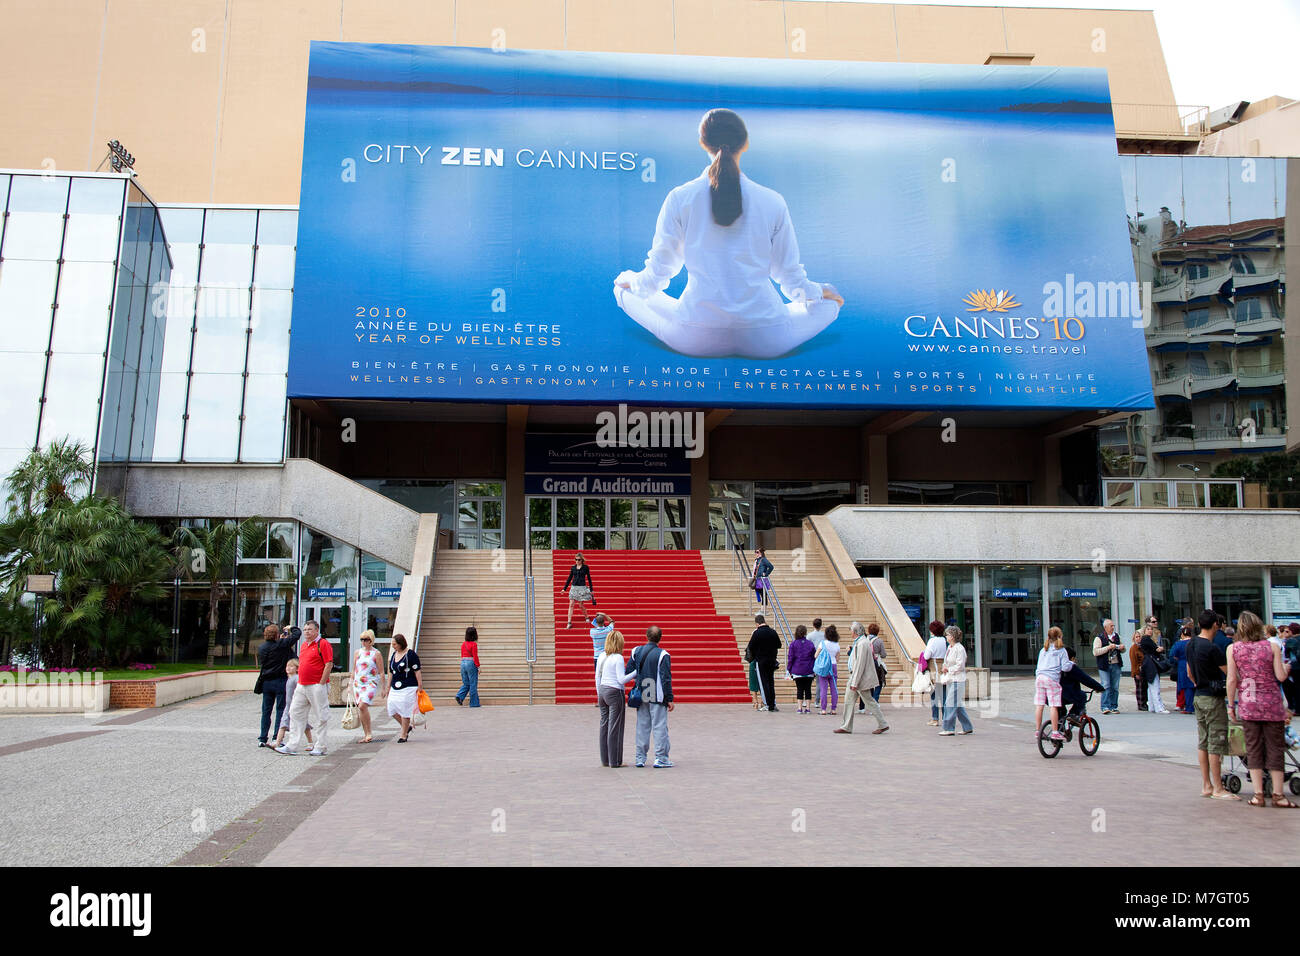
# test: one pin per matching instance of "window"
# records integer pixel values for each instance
(784, 504)
(1198, 270)
(1196, 318)
(1243, 265)
(1249, 310)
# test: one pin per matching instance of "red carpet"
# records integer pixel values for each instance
(637, 589)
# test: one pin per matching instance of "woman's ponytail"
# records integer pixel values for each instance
(724, 134)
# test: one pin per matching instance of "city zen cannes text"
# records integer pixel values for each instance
(527, 158)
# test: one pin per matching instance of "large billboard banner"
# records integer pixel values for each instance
(584, 227)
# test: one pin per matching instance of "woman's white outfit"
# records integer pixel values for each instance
(729, 307)
(402, 700)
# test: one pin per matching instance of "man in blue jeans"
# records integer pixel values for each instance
(655, 678)
(1108, 648)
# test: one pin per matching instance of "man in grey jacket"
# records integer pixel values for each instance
(655, 678)
(862, 678)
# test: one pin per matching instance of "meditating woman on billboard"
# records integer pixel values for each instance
(733, 236)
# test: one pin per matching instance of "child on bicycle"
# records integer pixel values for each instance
(1071, 692)
(1052, 662)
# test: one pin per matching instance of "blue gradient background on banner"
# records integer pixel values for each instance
(856, 149)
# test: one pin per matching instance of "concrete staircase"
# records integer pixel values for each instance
(804, 595)
(486, 590)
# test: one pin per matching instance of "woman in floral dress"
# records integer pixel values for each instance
(367, 669)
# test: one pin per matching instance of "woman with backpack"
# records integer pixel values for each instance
(824, 666)
(799, 665)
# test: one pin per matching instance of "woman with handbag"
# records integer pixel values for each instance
(953, 681)
(763, 569)
(404, 684)
(579, 586)
(611, 678)
(1152, 660)
(1256, 668)
(367, 669)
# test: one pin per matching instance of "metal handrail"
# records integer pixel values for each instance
(743, 566)
(530, 606)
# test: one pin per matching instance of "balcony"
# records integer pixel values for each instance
(1160, 121)
(1186, 439)
(1253, 280)
(1210, 381)
(1178, 382)
(1262, 376)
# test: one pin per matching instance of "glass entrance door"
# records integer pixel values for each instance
(380, 619)
(1012, 633)
(614, 524)
(333, 620)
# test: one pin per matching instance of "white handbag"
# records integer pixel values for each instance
(351, 717)
(922, 684)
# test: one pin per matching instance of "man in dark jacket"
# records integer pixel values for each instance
(1071, 692)
(654, 676)
(762, 649)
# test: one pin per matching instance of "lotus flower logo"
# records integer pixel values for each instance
(982, 300)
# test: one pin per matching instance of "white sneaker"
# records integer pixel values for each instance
(284, 749)
(317, 753)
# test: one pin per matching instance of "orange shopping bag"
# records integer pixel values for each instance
(424, 703)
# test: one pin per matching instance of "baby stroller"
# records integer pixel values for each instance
(1237, 769)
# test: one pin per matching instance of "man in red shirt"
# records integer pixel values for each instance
(311, 704)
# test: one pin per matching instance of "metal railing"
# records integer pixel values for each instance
(530, 607)
(1160, 119)
(742, 565)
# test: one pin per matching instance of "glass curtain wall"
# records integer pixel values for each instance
(911, 583)
(225, 359)
(1177, 594)
(1233, 590)
(63, 257)
(734, 498)
(954, 586)
(1079, 599)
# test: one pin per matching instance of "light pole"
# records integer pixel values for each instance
(39, 585)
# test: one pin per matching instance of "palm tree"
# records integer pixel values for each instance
(109, 566)
(49, 477)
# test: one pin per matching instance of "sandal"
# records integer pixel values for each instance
(1283, 802)
(401, 740)
(1256, 801)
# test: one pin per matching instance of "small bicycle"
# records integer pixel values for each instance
(1088, 729)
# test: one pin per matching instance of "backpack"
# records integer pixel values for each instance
(823, 665)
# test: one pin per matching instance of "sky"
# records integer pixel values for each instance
(1217, 51)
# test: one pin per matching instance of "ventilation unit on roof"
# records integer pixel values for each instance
(1228, 116)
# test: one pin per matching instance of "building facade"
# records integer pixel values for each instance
(155, 326)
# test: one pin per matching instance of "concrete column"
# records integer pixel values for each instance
(877, 468)
(700, 501)
(516, 428)
(1046, 488)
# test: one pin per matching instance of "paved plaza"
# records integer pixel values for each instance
(518, 785)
